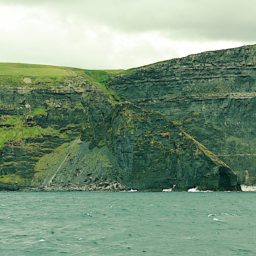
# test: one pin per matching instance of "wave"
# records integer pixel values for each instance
(198, 190)
(246, 188)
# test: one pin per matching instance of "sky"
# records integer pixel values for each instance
(115, 34)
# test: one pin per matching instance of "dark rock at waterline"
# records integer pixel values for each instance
(9, 187)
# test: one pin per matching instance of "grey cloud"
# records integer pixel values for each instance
(120, 33)
(183, 19)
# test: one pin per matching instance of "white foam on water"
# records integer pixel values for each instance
(197, 190)
(246, 188)
(88, 214)
(168, 189)
(218, 220)
(132, 190)
(193, 190)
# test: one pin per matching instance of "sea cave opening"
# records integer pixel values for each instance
(224, 179)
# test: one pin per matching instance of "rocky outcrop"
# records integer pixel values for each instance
(181, 123)
(210, 95)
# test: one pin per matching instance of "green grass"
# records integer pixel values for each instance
(18, 134)
(38, 111)
(14, 74)
(100, 79)
(30, 75)
(49, 163)
(31, 70)
(19, 131)
(104, 76)
(11, 120)
(13, 179)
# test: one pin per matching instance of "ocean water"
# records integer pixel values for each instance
(91, 223)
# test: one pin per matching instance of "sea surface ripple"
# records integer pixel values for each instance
(93, 224)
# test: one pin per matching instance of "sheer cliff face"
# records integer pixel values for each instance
(211, 95)
(186, 122)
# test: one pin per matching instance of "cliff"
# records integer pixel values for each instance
(186, 122)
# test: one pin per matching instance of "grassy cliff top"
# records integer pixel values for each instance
(18, 74)
(16, 69)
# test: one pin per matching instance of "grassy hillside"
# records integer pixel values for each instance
(16, 74)
(30, 75)
(16, 69)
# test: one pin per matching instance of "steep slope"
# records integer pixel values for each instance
(211, 95)
(64, 128)
(41, 109)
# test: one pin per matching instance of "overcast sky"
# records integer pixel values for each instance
(108, 34)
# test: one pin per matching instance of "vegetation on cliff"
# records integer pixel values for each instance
(185, 122)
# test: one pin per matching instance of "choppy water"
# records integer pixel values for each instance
(83, 223)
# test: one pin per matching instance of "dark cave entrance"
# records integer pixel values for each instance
(224, 179)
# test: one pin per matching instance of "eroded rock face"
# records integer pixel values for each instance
(186, 122)
(209, 95)
(151, 152)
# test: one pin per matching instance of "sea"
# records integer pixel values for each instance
(122, 223)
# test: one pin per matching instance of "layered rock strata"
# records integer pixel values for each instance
(181, 123)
